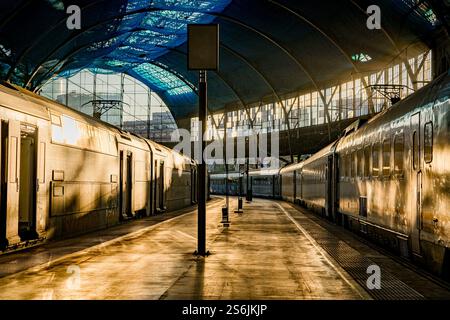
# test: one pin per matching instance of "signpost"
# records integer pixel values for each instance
(203, 55)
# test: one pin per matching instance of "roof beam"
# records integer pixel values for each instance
(41, 36)
(271, 87)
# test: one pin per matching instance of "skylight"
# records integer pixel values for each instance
(361, 57)
(423, 10)
(146, 35)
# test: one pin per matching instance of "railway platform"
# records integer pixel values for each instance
(274, 250)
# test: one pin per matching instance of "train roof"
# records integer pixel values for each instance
(12, 98)
(329, 149)
(386, 117)
(224, 175)
(264, 172)
(291, 167)
(62, 109)
(23, 100)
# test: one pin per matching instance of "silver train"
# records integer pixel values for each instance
(64, 173)
(262, 183)
(387, 178)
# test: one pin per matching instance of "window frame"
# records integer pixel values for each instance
(375, 150)
(399, 173)
(367, 161)
(415, 157)
(383, 153)
(425, 153)
(360, 163)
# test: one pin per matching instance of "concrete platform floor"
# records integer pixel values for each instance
(264, 254)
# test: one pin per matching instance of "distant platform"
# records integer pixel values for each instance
(273, 250)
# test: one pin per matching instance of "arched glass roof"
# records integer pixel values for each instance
(146, 33)
(269, 48)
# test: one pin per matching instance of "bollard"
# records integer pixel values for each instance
(249, 196)
(225, 221)
(239, 209)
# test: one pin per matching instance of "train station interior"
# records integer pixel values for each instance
(225, 150)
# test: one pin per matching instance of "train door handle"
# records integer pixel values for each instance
(17, 184)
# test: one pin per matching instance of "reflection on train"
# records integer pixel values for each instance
(262, 183)
(389, 178)
(65, 173)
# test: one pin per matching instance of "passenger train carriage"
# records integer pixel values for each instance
(262, 183)
(387, 178)
(65, 173)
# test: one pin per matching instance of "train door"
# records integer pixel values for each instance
(155, 187)
(150, 200)
(300, 183)
(125, 184)
(4, 182)
(273, 186)
(121, 185)
(10, 154)
(335, 189)
(294, 182)
(329, 187)
(27, 182)
(416, 183)
(161, 186)
(129, 184)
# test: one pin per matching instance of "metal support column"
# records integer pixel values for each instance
(225, 210)
(249, 192)
(202, 169)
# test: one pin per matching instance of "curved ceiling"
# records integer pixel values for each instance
(268, 48)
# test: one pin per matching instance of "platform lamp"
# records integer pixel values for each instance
(203, 55)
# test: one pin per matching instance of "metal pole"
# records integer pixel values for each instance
(122, 91)
(226, 165)
(247, 193)
(225, 220)
(149, 111)
(202, 116)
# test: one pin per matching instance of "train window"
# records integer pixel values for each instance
(352, 164)
(343, 165)
(386, 157)
(375, 159)
(348, 163)
(360, 162)
(56, 119)
(399, 147)
(367, 161)
(415, 157)
(428, 142)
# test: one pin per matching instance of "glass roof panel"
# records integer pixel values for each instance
(148, 30)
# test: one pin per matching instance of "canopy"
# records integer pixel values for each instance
(268, 49)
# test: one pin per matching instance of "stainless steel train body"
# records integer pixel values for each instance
(65, 173)
(388, 178)
(262, 183)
